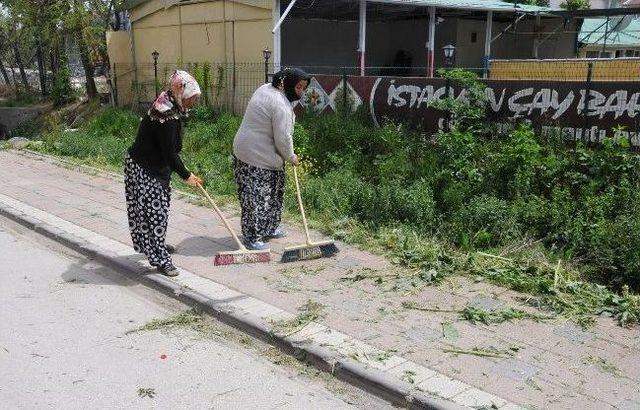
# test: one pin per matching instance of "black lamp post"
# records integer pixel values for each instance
(155, 56)
(449, 55)
(449, 59)
(266, 53)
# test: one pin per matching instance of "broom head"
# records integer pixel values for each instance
(305, 252)
(242, 256)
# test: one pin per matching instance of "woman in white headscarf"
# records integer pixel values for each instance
(152, 158)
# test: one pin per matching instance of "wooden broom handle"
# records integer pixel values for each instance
(213, 204)
(304, 218)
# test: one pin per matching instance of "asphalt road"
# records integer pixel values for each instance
(76, 335)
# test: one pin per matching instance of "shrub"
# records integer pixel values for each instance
(466, 187)
(61, 93)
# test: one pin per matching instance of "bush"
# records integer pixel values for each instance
(467, 187)
(104, 138)
(484, 222)
(17, 96)
(61, 93)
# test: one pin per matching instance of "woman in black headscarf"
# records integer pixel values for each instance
(262, 145)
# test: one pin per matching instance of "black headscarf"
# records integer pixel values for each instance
(288, 78)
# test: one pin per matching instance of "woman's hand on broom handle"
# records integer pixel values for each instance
(194, 181)
(294, 160)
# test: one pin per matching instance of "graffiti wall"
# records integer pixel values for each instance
(612, 108)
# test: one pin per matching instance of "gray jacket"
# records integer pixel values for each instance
(265, 137)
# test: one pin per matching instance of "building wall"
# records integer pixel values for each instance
(595, 51)
(522, 44)
(119, 48)
(220, 32)
(337, 45)
(318, 43)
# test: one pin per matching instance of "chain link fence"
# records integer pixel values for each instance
(225, 86)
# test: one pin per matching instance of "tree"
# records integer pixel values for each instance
(44, 18)
(576, 5)
(17, 55)
(3, 46)
(22, 29)
(38, 30)
(62, 92)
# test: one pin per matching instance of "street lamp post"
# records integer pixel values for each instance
(449, 55)
(449, 60)
(155, 56)
(266, 53)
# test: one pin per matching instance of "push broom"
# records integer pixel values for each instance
(310, 250)
(242, 255)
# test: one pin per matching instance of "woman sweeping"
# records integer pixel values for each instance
(148, 166)
(260, 148)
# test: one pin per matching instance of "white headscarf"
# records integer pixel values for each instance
(190, 88)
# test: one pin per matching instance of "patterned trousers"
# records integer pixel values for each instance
(148, 212)
(261, 193)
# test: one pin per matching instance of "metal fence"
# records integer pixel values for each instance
(224, 85)
(580, 99)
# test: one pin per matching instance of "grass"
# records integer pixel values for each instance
(487, 317)
(423, 257)
(302, 270)
(381, 357)
(481, 352)
(603, 365)
(409, 376)
(191, 318)
(479, 315)
(205, 328)
(309, 312)
(19, 98)
(450, 332)
(146, 392)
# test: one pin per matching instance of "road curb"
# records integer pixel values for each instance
(351, 371)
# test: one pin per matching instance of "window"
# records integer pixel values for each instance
(636, 53)
(474, 37)
(593, 54)
(605, 54)
(628, 53)
(619, 53)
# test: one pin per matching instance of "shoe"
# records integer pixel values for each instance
(170, 248)
(277, 234)
(168, 270)
(256, 246)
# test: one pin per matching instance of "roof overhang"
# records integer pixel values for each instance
(477, 5)
(130, 4)
(596, 12)
(390, 10)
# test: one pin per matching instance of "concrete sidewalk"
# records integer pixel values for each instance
(363, 325)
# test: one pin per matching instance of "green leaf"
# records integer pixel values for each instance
(449, 331)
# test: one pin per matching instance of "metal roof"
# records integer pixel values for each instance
(477, 5)
(130, 4)
(593, 32)
(596, 12)
(484, 5)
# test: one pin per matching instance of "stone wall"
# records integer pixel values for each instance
(11, 117)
